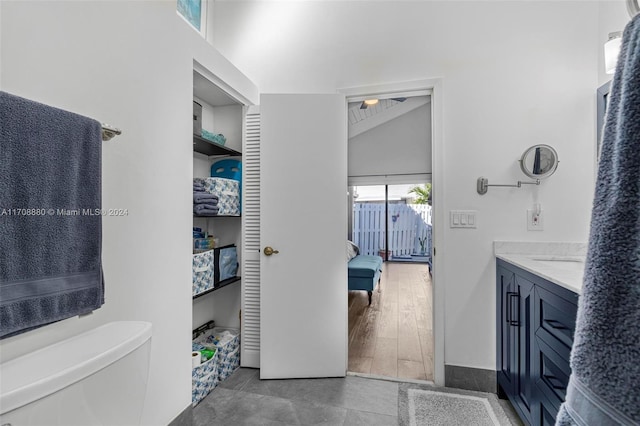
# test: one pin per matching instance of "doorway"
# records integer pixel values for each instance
(393, 335)
(390, 215)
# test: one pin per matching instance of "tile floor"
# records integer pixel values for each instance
(243, 399)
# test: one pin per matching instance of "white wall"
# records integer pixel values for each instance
(514, 74)
(401, 145)
(226, 120)
(130, 64)
(612, 17)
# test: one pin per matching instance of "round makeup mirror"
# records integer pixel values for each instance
(539, 161)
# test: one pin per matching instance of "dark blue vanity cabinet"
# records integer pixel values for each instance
(535, 321)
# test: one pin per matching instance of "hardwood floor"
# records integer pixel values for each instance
(393, 336)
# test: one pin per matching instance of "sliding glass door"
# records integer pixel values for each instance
(393, 221)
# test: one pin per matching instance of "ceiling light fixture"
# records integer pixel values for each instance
(612, 51)
(368, 102)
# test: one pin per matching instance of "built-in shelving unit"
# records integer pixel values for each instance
(220, 114)
(220, 285)
(209, 148)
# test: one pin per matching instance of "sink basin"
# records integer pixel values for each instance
(565, 263)
(574, 259)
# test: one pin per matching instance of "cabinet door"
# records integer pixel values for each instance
(524, 329)
(250, 341)
(506, 348)
(555, 319)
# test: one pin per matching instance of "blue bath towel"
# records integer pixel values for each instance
(604, 387)
(50, 243)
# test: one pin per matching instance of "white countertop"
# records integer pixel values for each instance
(560, 263)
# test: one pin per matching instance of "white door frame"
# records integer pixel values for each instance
(437, 179)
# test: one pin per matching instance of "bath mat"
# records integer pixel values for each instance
(429, 405)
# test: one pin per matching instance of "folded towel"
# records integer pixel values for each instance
(205, 198)
(604, 387)
(50, 252)
(209, 206)
(205, 210)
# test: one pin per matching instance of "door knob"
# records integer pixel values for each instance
(268, 251)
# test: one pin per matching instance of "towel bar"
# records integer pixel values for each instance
(108, 132)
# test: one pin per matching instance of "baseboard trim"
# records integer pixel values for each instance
(476, 379)
(185, 418)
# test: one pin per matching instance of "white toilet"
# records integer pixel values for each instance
(96, 378)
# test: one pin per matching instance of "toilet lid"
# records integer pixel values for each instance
(37, 374)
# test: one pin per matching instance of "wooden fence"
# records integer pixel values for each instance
(407, 223)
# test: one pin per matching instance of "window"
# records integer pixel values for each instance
(195, 13)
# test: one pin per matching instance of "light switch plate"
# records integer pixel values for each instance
(463, 218)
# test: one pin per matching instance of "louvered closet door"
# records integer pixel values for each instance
(250, 339)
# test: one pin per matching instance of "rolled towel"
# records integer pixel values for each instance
(205, 210)
(205, 198)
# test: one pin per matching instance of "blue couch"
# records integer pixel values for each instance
(364, 273)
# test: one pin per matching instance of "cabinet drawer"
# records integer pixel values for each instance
(556, 315)
(552, 368)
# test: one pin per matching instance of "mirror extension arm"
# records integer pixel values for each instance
(483, 184)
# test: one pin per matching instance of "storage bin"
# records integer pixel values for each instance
(204, 378)
(197, 118)
(231, 169)
(215, 138)
(228, 349)
(228, 192)
(227, 168)
(225, 260)
(228, 365)
(202, 270)
(207, 243)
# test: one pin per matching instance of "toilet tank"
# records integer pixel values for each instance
(95, 378)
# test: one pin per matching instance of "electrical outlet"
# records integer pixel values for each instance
(535, 221)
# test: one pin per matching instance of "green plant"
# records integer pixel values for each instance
(422, 241)
(421, 193)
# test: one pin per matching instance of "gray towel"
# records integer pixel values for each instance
(50, 233)
(205, 210)
(605, 383)
(205, 198)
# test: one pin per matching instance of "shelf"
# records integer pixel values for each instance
(221, 284)
(207, 147)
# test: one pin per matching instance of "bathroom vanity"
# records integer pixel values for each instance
(536, 303)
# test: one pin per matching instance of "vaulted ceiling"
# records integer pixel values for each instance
(362, 120)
